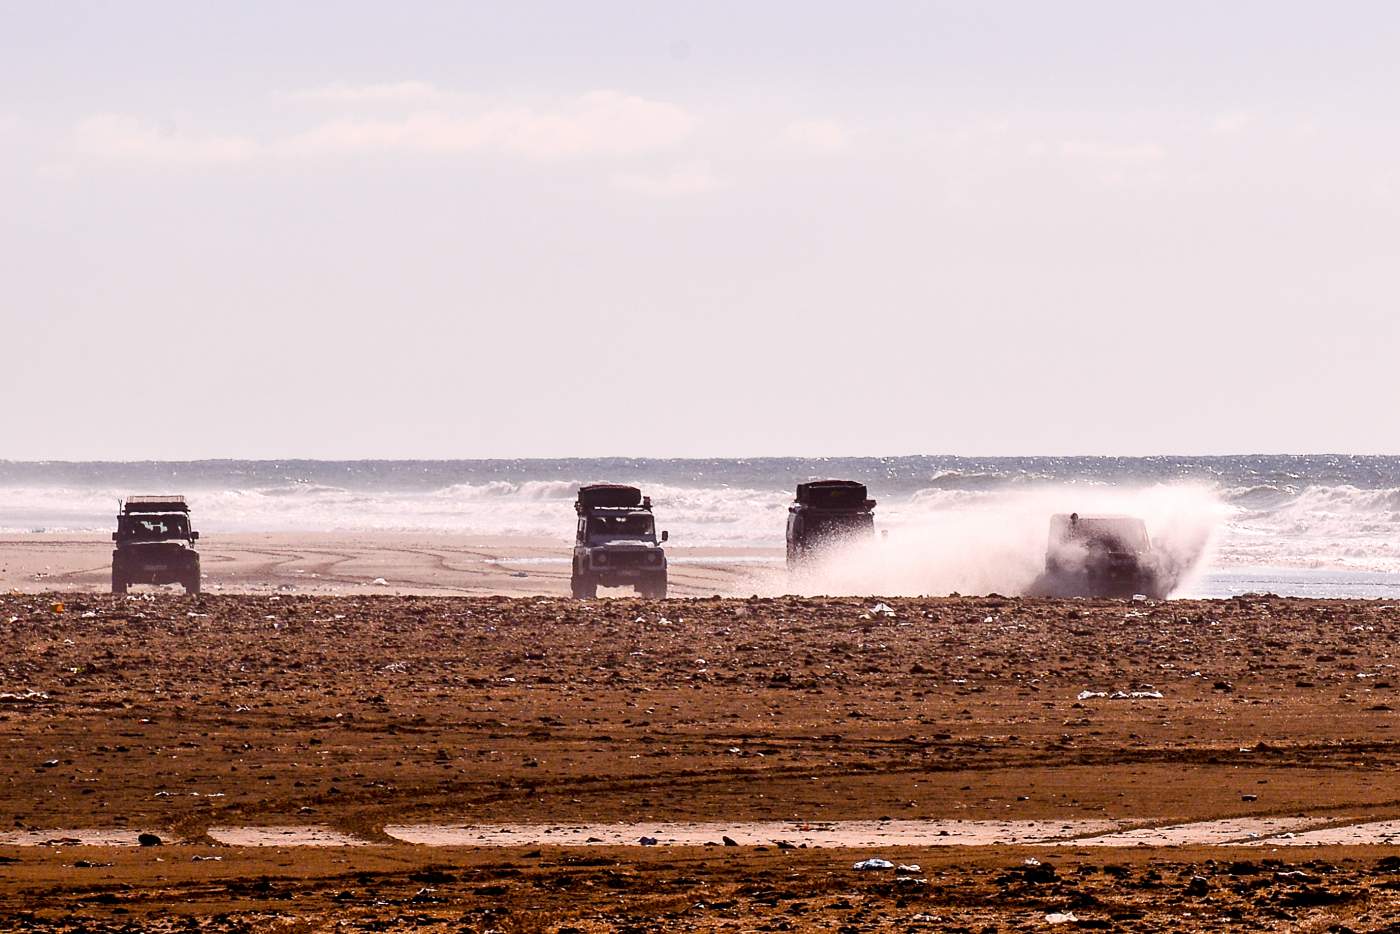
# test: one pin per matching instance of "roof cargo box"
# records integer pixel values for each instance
(163, 503)
(833, 494)
(609, 494)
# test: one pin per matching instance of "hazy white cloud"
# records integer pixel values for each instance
(119, 137)
(820, 135)
(1136, 153)
(1231, 123)
(392, 92)
(688, 178)
(600, 123)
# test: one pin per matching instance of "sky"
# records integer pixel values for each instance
(724, 229)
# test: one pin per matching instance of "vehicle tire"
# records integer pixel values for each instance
(584, 587)
(655, 588)
(119, 584)
(192, 585)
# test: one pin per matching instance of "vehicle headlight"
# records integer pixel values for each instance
(654, 559)
(600, 557)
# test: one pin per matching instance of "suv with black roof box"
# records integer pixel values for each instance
(155, 544)
(615, 543)
(827, 513)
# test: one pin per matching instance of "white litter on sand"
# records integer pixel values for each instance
(873, 863)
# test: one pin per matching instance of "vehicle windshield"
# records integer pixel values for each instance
(153, 528)
(634, 526)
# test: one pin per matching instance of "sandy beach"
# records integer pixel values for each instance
(374, 562)
(397, 763)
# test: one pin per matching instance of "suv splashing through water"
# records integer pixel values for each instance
(1100, 556)
(827, 513)
(615, 543)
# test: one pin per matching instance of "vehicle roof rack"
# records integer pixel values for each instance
(167, 502)
(609, 495)
(841, 495)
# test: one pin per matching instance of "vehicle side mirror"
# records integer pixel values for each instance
(194, 536)
(665, 536)
(114, 536)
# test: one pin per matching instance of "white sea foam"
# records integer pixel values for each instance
(1002, 519)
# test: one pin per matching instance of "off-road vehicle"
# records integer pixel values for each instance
(155, 544)
(1100, 556)
(616, 544)
(827, 513)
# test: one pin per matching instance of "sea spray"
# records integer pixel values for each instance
(997, 544)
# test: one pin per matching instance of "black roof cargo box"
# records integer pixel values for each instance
(164, 503)
(834, 494)
(609, 494)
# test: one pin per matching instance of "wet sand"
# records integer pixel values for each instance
(340, 721)
(373, 563)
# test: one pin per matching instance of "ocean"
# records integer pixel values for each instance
(1310, 525)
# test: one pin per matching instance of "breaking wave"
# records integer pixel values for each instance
(1261, 511)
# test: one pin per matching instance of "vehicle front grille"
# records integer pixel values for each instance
(630, 559)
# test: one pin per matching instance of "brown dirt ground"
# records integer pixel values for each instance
(361, 711)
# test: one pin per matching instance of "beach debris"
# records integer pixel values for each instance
(1294, 875)
(882, 609)
(1146, 692)
(648, 841)
(874, 862)
(23, 697)
(379, 582)
(1060, 917)
(149, 839)
(728, 841)
(910, 869)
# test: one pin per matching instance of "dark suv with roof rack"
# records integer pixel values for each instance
(155, 544)
(827, 513)
(616, 543)
(1101, 556)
